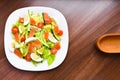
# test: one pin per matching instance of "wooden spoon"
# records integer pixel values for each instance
(109, 43)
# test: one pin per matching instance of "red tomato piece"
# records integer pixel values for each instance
(32, 21)
(56, 29)
(57, 45)
(32, 32)
(21, 20)
(54, 51)
(17, 37)
(15, 30)
(47, 18)
(18, 53)
(46, 34)
(47, 21)
(40, 25)
(23, 38)
(30, 47)
(28, 57)
(37, 44)
(60, 33)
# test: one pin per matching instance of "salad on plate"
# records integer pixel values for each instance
(36, 38)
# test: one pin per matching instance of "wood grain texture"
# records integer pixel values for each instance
(87, 20)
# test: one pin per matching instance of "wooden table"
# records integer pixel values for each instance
(87, 20)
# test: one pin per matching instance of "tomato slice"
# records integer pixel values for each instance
(18, 53)
(21, 20)
(40, 25)
(56, 29)
(32, 21)
(23, 38)
(37, 44)
(54, 51)
(27, 57)
(15, 30)
(32, 32)
(47, 18)
(46, 34)
(60, 33)
(17, 37)
(57, 45)
(30, 47)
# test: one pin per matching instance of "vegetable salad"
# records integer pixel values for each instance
(36, 38)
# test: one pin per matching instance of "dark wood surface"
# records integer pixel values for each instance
(87, 20)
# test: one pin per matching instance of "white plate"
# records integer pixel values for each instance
(23, 64)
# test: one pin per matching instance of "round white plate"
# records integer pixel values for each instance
(23, 64)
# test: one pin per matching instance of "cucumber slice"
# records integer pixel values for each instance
(52, 38)
(55, 35)
(43, 18)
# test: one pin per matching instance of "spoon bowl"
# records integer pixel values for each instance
(109, 43)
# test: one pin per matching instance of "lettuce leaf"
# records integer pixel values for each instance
(50, 59)
(46, 53)
(24, 50)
